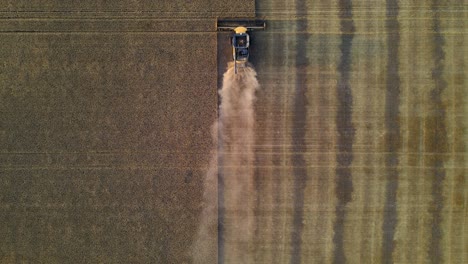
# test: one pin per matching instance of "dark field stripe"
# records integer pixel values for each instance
(392, 126)
(298, 133)
(437, 138)
(346, 131)
(278, 45)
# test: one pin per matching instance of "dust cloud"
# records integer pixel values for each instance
(232, 162)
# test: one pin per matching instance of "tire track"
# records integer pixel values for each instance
(437, 142)
(392, 127)
(298, 133)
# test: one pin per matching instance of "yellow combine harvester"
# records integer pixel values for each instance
(240, 40)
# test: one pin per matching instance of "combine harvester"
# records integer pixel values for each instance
(240, 40)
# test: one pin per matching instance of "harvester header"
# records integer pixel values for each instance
(228, 24)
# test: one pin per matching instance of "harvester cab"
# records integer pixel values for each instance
(240, 39)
